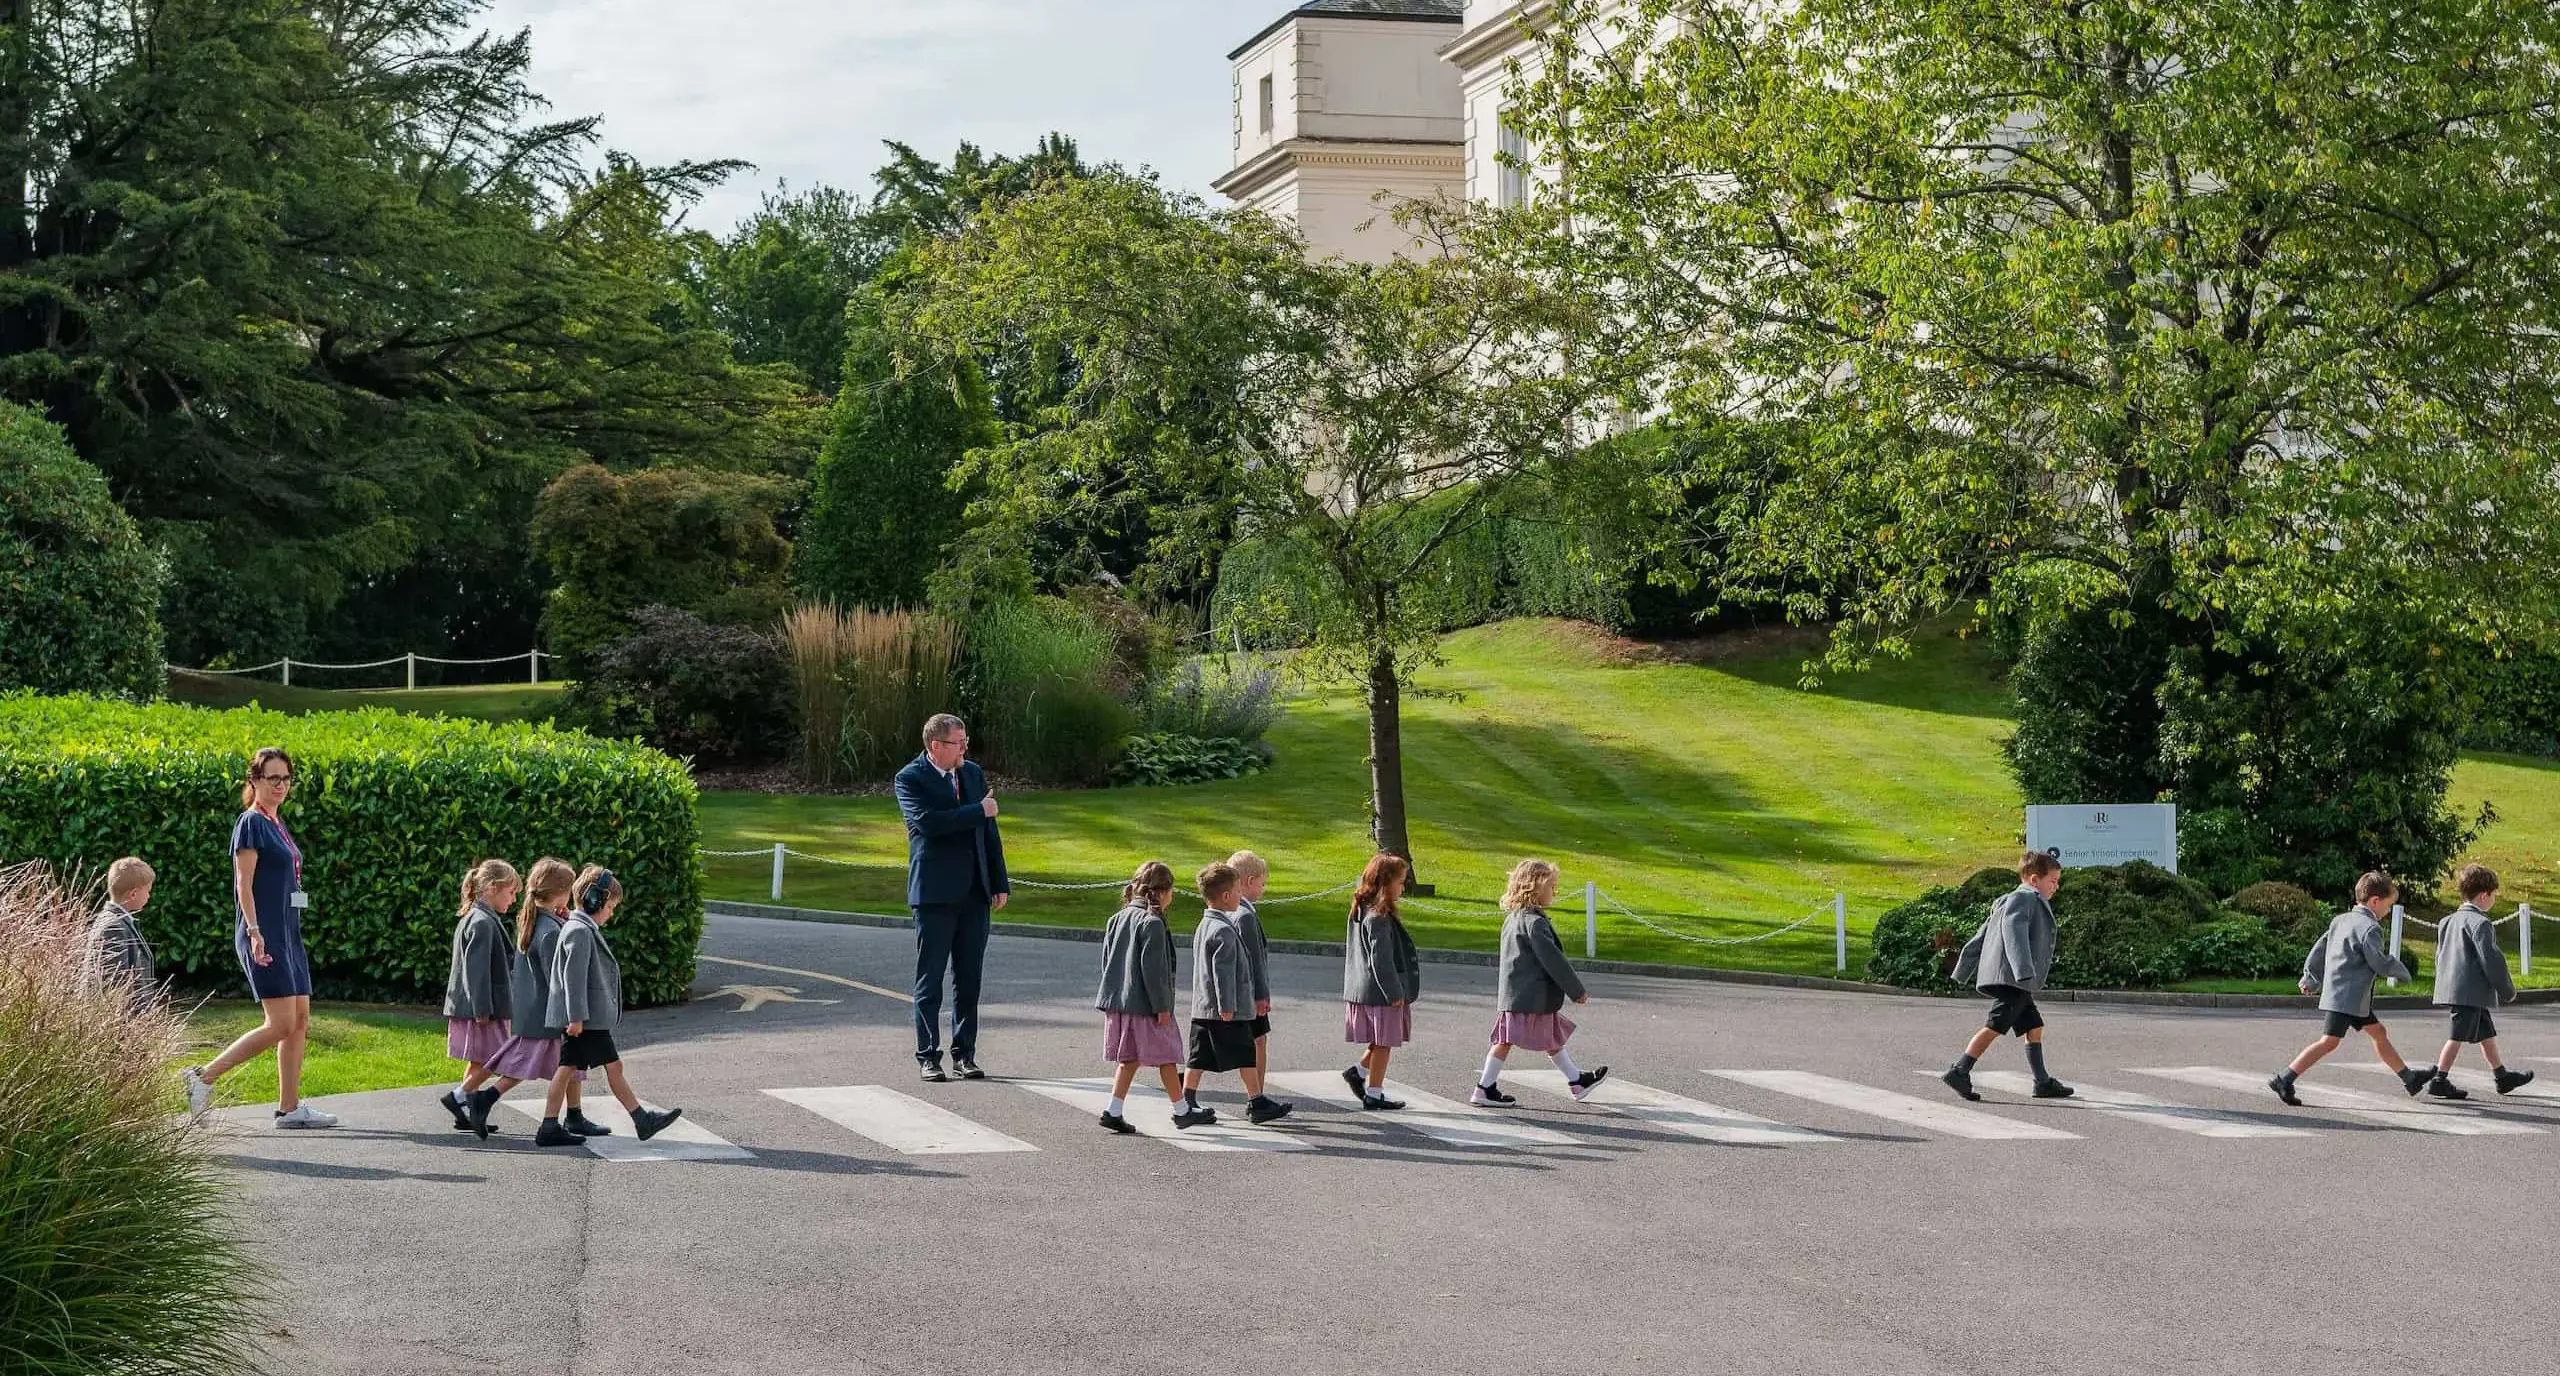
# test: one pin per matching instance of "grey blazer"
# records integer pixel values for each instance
(1221, 969)
(117, 951)
(2470, 969)
(2346, 960)
(1379, 964)
(475, 985)
(529, 980)
(2014, 946)
(1137, 963)
(586, 981)
(1257, 948)
(1535, 976)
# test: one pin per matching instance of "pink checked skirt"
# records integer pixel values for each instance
(1137, 1037)
(528, 1058)
(468, 1040)
(1377, 1024)
(1533, 1031)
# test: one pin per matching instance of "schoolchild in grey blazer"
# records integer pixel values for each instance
(117, 953)
(2472, 978)
(586, 1005)
(2009, 959)
(1530, 991)
(1222, 1004)
(475, 986)
(1381, 977)
(1136, 997)
(2341, 968)
(1253, 876)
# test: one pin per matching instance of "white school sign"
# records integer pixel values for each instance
(2106, 833)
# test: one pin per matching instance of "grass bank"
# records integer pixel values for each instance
(354, 1047)
(499, 702)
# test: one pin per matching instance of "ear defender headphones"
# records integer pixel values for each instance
(598, 890)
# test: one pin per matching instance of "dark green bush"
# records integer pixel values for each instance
(717, 694)
(389, 810)
(2519, 706)
(1156, 758)
(1914, 943)
(2240, 947)
(79, 590)
(2290, 911)
(2117, 927)
(699, 540)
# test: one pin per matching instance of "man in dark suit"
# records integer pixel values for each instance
(955, 879)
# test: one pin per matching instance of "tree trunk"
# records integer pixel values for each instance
(1386, 762)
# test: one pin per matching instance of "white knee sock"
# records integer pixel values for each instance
(1492, 1070)
(1565, 1064)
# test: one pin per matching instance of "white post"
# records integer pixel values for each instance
(2524, 934)
(1840, 932)
(777, 871)
(413, 671)
(1590, 920)
(534, 657)
(288, 671)
(2398, 914)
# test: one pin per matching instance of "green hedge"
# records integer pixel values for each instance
(79, 590)
(389, 810)
(2116, 927)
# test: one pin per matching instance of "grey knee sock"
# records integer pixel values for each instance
(2035, 1060)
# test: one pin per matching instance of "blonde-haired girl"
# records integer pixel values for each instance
(533, 1052)
(1536, 980)
(475, 985)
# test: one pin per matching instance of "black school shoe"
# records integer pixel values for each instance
(1359, 1083)
(649, 1122)
(2441, 1086)
(551, 1134)
(2413, 1079)
(579, 1123)
(454, 1106)
(482, 1101)
(1380, 1102)
(1117, 1123)
(1195, 1117)
(2509, 1081)
(1960, 1080)
(2050, 1088)
(1588, 1081)
(2282, 1084)
(967, 1069)
(1264, 1109)
(1491, 1096)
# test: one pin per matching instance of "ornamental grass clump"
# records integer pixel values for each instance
(118, 1250)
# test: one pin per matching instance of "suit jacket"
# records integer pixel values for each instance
(2015, 945)
(955, 854)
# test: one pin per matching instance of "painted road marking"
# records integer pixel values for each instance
(1681, 1114)
(2123, 1103)
(900, 995)
(1899, 1108)
(683, 1140)
(900, 1122)
(1444, 1120)
(2371, 1108)
(1153, 1117)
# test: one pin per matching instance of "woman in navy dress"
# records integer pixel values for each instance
(266, 874)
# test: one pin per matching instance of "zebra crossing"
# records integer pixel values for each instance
(1546, 1121)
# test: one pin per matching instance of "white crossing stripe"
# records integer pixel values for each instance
(900, 1122)
(681, 1140)
(1153, 1117)
(2124, 1103)
(1662, 1108)
(2371, 1108)
(1899, 1108)
(1443, 1120)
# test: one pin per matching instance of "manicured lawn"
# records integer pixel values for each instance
(353, 1047)
(488, 702)
(1717, 799)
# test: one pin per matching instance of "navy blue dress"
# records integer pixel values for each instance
(288, 970)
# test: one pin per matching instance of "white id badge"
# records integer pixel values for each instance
(300, 899)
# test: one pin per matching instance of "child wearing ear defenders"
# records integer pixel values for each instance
(586, 1001)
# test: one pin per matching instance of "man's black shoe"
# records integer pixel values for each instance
(967, 1069)
(931, 1072)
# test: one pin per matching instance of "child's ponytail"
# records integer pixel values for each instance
(551, 879)
(1151, 885)
(488, 874)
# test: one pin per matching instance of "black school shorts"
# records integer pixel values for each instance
(2472, 1023)
(2340, 1024)
(1218, 1045)
(2012, 1010)
(589, 1050)
(1261, 1025)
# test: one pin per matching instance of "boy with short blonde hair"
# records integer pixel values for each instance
(1253, 875)
(117, 951)
(2471, 978)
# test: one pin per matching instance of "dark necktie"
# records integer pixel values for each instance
(954, 777)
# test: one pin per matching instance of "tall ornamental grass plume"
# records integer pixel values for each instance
(118, 1251)
(820, 637)
(902, 669)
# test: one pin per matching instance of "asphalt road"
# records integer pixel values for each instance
(1848, 1239)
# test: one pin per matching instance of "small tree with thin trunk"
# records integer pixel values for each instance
(1355, 419)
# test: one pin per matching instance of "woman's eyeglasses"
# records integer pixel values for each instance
(281, 780)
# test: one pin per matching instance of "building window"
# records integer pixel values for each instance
(1511, 187)
(1266, 105)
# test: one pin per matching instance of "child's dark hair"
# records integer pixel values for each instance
(596, 888)
(2476, 881)
(1217, 882)
(2036, 864)
(1151, 885)
(2376, 884)
(1384, 868)
(550, 878)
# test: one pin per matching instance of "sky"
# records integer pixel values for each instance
(808, 89)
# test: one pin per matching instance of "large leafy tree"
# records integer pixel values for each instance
(2210, 327)
(1359, 418)
(310, 282)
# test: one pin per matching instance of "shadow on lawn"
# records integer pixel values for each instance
(1946, 675)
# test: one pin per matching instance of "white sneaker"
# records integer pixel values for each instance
(306, 1117)
(199, 1093)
